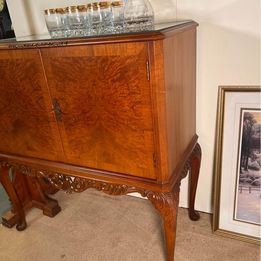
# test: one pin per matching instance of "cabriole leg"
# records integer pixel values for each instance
(167, 205)
(194, 174)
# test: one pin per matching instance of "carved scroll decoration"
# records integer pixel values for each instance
(163, 201)
(70, 183)
(37, 45)
(76, 184)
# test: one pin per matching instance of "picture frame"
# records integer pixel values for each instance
(237, 170)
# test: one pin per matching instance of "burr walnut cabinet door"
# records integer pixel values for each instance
(27, 123)
(104, 98)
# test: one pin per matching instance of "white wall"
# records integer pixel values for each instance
(228, 54)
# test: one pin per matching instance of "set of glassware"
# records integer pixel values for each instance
(100, 18)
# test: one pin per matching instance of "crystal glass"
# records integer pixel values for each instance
(77, 20)
(106, 15)
(138, 15)
(95, 18)
(117, 15)
(84, 14)
(54, 23)
(64, 24)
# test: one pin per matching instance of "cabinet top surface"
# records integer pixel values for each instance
(159, 31)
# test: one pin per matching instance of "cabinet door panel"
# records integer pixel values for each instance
(27, 123)
(105, 98)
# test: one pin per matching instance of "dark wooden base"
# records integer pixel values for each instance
(50, 209)
(26, 191)
(9, 219)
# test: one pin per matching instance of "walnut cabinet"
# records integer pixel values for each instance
(114, 113)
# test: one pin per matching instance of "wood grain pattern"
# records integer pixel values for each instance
(105, 99)
(27, 124)
(173, 66)
(180, 86)
(159, 108)
(107, 176)
(122, 120)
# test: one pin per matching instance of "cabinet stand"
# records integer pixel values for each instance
(23, 186)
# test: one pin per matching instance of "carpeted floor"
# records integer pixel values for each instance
(95, 227)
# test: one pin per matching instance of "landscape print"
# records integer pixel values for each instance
(248, 192)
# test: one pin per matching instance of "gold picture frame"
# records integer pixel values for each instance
(231, 101)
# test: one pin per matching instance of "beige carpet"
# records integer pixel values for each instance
(95, 227)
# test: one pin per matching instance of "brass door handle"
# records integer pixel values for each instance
(57, 109)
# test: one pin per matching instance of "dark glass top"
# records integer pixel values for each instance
(154, 29)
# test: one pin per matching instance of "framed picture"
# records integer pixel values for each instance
(237, 187)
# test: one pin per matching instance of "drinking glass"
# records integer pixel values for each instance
(54, 23)
(95, 18)
(106, 16)
(64, 24)
(84, 15)
(117, 16)
(138, 15)
(77, 18)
